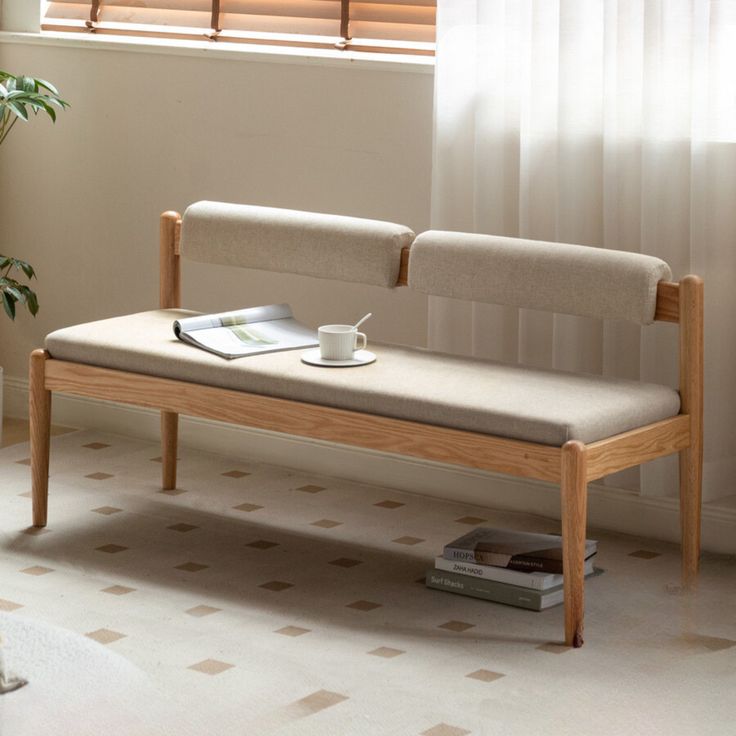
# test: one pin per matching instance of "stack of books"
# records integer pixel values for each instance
(516, 568)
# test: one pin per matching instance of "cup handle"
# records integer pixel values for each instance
(358, 335)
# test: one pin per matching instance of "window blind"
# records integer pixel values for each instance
(401, 26)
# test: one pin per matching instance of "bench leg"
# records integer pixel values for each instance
(169, 441)
(40, 420)
(574, 495)
(691, 481)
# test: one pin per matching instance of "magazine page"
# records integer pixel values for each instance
(266, 329)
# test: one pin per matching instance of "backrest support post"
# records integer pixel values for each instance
(691, 355)
(169, 261)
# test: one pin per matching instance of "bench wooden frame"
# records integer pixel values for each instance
(572, 466)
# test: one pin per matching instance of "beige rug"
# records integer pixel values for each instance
(264, 601)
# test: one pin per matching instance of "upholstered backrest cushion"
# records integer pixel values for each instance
(555, 277)
(307, 243)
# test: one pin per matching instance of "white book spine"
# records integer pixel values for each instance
(534, 580)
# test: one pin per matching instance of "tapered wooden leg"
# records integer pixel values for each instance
(169, 437)
(574, 492)
(40, 420)
(691, 403)
(691, 483)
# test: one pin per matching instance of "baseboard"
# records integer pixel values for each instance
(608, 508)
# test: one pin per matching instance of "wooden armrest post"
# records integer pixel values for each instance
(691, 398)
(169, 298)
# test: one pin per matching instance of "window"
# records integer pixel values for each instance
(402, 26)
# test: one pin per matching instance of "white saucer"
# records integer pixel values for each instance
(360, 357)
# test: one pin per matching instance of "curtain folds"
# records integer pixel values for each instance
(609, 123)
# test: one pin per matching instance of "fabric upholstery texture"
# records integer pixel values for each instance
(306, 243)
(555, 277)
(548, 407)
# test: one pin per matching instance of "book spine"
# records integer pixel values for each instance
(518, 562)
(501, 574)
(535, 564)
(511, 595)
(470, 555)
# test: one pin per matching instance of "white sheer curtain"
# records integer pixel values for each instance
(608, 123)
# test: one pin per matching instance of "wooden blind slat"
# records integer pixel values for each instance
(356, 22)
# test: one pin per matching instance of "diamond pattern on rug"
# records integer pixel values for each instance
(386, 652)
(99, 476)
(485, 675)
(456, 626)
(389, 504)
(202, 610)
(262, 544)
(235, 474)
(107, 510)
(248, 507)
(96, 445)
(105, 636)
(118, 590)
(111, 549)
(363, 638)
(644, 554)
(311, 488)
(317, 701)
(182, 527)
(292, 631)
(191, 567)
(326, 523)
(410, 541)
(345, 562)
(276, 585)
(553, 648)
(171, 491)
(443, 729)
(364, 605)
(211, 666)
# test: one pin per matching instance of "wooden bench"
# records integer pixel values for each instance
(520, 421)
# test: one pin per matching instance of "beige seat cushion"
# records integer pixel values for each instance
(548, 407)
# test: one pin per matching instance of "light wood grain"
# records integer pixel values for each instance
(668, 302)
(169, 443)
(691, 395)
(40, 428)
(403, 279)
(637, 446)
(574, 502)
(169, 266)
(170, 298)
(523, 459)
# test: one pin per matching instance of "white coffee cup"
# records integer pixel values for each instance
(339, 342)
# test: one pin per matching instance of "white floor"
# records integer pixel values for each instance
(263, 601)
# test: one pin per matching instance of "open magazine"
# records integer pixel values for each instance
(246, 331)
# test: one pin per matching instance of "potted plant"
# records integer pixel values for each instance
(21, 97)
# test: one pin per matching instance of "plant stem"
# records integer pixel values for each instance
(7, 130)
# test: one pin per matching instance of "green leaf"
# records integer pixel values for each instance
(26, 268)
(47, 85)
(13, 290)
(31, 300)
(8, 305)
(18, 109)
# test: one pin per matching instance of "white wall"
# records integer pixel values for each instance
(150, 131)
